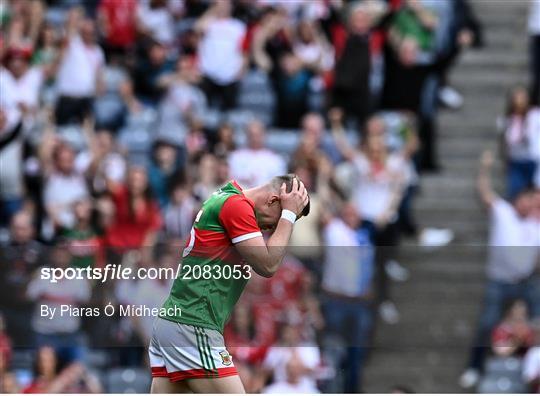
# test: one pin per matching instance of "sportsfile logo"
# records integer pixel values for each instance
(108, 272)
(184, 272)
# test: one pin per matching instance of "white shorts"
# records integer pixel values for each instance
(180, 351)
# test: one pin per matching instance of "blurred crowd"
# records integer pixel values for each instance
(118, 118)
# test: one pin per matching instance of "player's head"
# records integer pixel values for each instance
(269, 208)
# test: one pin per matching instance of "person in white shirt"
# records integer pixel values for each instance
(222, 60)
(513, 254)
(156, 20)
(64, 187)
(534, 32)
(291, 347)
(79, 76)
(253, 165)
(184, 100)
(292, 384)
(521, 133)
(26, 80)
(312, 48)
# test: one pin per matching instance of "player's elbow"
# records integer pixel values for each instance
(266, 271)
(268, 274)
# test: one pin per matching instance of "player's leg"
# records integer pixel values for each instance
(186, 358)
(230, 384)
(164, 385)
(216, 359)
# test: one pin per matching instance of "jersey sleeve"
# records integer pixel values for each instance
(238, 218)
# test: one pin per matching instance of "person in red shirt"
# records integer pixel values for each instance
(514, 333)
(136, 218)
(117, 22)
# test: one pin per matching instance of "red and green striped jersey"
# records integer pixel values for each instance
(213, 275)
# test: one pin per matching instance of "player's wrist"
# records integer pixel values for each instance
(288, 215)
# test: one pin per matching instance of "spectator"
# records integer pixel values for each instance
(75, 378)
(46, 57)
(292, 89)
(45, 370)
(404, 81)
(521, 140)
(220, 54)
(156, 22)
(184, 100)
(79, 76)
(136, 218)
(312, 144)
(460, 24)
(63, 332)
(46, 53)
(514, 335)
(225, 141)
(64, 185)
(416, 21)
(347, 281)
(82, 241)
(292, 383)
(165, 169)
(148, 72)
(180, 212)
(207, 177)
(25, 19)
(312, 48)
(255, 163)
(24, 255)
(27, 81)
(351, 86)
(377, 185)
(118, 22)
(196, 142)
(140, 116)
(534, 32)
(512, 257)
(401, 131)
(271, 39)
(290, 347)
(102, 163)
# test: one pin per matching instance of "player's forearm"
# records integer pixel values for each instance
(276, 248)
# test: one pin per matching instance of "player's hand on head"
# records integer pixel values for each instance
(295, 200)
